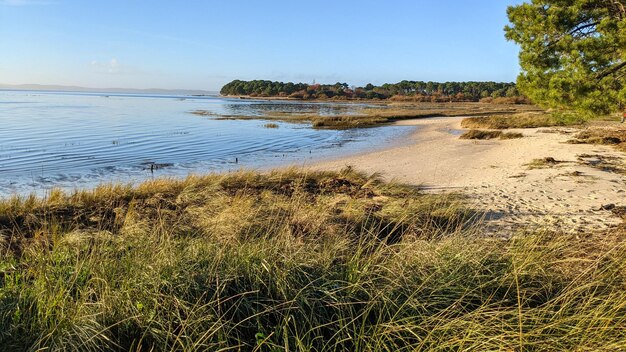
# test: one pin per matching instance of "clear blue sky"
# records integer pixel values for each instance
(203, 44)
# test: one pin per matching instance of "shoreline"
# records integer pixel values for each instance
(331, 101)
(498, 177)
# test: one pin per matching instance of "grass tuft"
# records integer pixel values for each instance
(544, 163)
(615, 136)
(482, 134)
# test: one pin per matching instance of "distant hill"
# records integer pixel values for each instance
(107, 90)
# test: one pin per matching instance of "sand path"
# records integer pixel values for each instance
(566, 196)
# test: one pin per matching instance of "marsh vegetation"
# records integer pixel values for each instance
(381, 114)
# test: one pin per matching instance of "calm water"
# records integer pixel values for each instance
(52, 139)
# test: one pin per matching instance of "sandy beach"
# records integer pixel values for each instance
(567, 195)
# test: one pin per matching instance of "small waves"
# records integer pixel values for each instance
(69, 141)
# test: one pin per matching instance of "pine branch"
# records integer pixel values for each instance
(611, 70)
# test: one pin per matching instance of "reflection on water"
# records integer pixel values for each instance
(265, 108)
(66, 140)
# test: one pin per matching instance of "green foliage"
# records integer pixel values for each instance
(410, 90)
(573, 53)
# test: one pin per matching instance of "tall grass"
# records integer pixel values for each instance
(290, 261)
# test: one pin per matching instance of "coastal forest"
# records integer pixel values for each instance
(417, 91)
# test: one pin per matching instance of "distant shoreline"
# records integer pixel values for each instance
(316, 100)
(78, 89)
(362, 100)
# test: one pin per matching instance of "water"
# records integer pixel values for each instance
(78, 140)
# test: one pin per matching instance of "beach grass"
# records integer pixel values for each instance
(527, 119)
(543, 163)
(614, 136)
(296, 261)
(483, 134)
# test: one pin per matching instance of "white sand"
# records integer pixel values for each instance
(495, 175)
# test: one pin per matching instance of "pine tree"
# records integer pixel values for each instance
(573, 53)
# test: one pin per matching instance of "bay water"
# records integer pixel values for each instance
(78, 140)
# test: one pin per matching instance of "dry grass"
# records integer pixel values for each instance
(544, 163)
(511, 135)
(482, 134)
(387, 113)
(531, 119)
(603, 162)
(607, 135)
(300, 261)
(334, 200)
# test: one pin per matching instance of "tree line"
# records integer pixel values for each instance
(402, 91)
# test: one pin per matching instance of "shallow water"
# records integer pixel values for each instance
(70, 140)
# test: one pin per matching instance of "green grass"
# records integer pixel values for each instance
(295, 261)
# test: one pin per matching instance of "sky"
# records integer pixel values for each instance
(196, 44)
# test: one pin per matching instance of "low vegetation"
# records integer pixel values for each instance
(602, 135)
(544, 163)
(385, 114)
(529, 119)
(290, 260)
(607, 163)
(482, 134)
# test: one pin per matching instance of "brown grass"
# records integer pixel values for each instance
(482, 134)
(544, 163)
(608, 135)
(605, 163)
(530, 119)
(206, 203)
